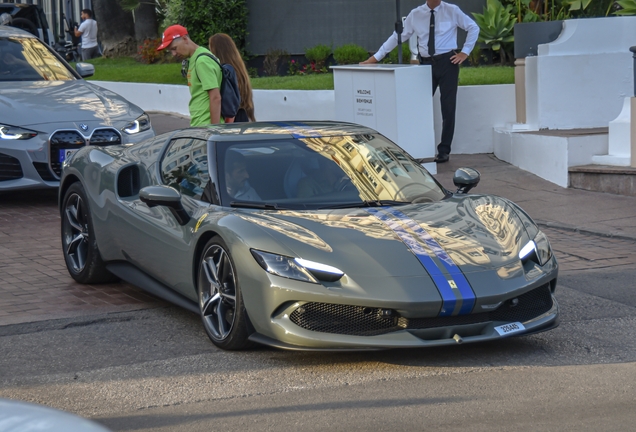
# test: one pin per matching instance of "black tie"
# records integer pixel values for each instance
(431, 35)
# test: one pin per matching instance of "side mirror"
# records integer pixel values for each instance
(85, 69)
(465, 179)
(165, 196)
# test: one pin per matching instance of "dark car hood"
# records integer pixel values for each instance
(40, 102)
(478, 232)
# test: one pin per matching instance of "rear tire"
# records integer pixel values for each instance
(82, 257)
(220, 300)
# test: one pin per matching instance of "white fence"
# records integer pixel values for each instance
(479, 108)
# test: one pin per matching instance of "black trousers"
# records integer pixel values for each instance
(446, 77)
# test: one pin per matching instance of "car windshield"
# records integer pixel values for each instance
(28, 59)
(322, 173)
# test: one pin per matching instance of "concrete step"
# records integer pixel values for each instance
(604, 178)
(549, 153)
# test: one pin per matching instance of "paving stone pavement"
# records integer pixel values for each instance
(577, 251)
(34, 282)
(587, 230)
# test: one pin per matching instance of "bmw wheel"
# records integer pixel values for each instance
(220, 301)
(83, 260)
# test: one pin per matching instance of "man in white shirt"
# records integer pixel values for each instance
(88, 31)
(438, 49)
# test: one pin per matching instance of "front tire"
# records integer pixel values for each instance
(220, 300)
(82, 257)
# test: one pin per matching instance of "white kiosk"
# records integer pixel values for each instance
(395, 100)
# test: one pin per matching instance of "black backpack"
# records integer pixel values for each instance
(230, 94)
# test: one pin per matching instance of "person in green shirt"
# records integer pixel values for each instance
(204, 76)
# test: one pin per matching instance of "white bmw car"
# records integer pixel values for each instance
(47, 112)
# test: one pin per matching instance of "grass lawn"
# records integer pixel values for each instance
(129, 70)
(486, 75)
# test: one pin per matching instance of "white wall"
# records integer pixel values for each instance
(479, 108)
(268, 104)
(152, 97)
(279, 105)
(581, 79)
(620, 139)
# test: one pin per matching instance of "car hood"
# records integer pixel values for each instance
(35, 103)
(477, 232)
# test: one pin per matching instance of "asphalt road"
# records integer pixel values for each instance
(155, 370)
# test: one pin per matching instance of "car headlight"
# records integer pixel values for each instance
(141, 124)
(296, 268)
(15, 133)
(538, 250)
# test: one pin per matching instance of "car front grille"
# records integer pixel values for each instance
(63, 140)
(365, 321)
(10, 168)
(342, 319)
(73, 140)
(105, 137)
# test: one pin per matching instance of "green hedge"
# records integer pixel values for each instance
(203, 18)
(350, 54)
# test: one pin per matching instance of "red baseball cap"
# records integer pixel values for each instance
(171, 33)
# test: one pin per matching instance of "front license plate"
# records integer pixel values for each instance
(66, 153)
(511, 328)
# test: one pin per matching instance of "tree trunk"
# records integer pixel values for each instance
(116, 28)
(146, 26)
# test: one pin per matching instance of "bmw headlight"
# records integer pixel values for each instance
(15, 133)
(141, 124)
(296, 268)
(538, 250)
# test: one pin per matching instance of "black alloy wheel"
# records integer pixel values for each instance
(82, 257)
(220, 301)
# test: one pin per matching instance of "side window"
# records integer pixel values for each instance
(185, 166)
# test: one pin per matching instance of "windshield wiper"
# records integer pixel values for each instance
(378, 203)
(381, 203)
(255, 205)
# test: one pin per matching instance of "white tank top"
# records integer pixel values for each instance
(89, 33)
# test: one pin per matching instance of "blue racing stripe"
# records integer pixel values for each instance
(468, 296)
(289, 127)
(293, 129)
(312, 133)
(449, 300)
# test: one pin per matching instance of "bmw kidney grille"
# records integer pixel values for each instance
(62, 143)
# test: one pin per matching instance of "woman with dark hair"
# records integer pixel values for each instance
(222, 46)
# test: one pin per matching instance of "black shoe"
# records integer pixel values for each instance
(441, 158)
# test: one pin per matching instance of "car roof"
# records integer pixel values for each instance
(19, 5)
(272, 130)
(8, 31)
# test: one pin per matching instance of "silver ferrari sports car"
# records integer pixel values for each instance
(316, 235)
(47, 111)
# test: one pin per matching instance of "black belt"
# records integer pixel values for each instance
(437, 57)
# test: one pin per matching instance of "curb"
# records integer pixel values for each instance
(583, 230)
